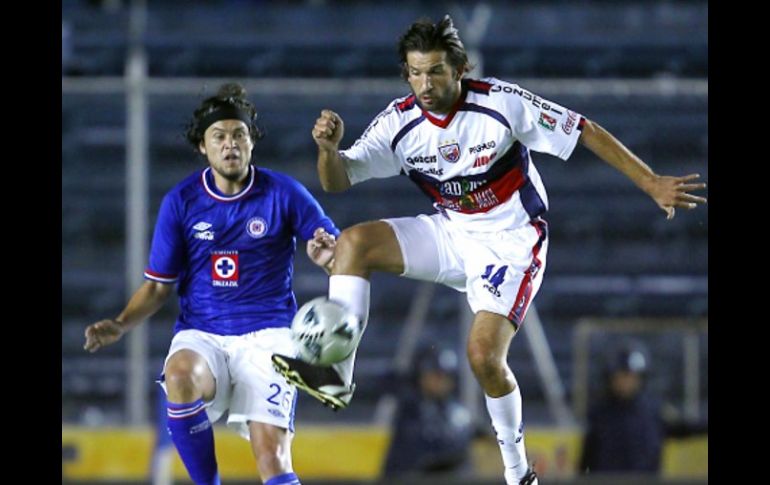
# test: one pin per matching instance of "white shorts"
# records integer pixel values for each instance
(246, 383)
(501, 271)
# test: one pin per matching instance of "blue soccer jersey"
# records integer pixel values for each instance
(233, 256)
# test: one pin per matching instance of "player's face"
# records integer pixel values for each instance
(433, 80)
(227, 145)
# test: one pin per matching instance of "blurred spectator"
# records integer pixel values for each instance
(626, 428)
(433, 430)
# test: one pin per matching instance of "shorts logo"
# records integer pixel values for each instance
(276, 413)
(450, 151)
(224, 268)
(569, 124)
(494, 280)
(547, 122)
(256, 227)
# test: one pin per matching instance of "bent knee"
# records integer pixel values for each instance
(366, 247)
(356, 240)
(184, 372)
(484, 361)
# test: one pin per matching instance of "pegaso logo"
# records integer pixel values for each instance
(488, 145)
(256, 227)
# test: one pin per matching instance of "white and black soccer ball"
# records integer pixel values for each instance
(325, 331)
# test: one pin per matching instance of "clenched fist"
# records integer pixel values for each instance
(328, 130)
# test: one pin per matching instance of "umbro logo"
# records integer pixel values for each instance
(203, 233)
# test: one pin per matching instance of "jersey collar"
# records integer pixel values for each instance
(444, 122)
(207, 178)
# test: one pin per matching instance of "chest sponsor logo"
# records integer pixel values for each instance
(547, 122)
(431, 171)
(487, 145)
(456, 188)
(421, 159)
(256, 227)
(484, 160)
(224, 268)
(450, 151)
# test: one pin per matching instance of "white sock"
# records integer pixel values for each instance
(505, 412)
(353, 291)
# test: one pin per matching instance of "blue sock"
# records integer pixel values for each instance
(193, 436)
(285, 479)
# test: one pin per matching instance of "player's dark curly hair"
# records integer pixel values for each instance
(229, 102)
(425, 36)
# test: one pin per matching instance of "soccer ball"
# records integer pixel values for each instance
(325, 331)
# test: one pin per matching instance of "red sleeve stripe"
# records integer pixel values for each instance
(479, 87)
(407, 104)
(162, 278)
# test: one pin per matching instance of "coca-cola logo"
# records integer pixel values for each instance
(569, 124)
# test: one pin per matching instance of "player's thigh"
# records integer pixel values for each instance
(427, 250)
(260, 394)
(372, 243)
(505, 270)
(216, 385)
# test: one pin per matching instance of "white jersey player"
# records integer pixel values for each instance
(466, 144)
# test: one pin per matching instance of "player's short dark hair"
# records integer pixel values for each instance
(425, 36)
(230, 98)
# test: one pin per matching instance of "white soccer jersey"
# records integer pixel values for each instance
(474, 163)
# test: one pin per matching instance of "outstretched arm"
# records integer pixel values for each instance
(327, 133)
(320, 249)
(668, 192)
(145, 302)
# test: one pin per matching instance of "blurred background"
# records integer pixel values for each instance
(618, 272)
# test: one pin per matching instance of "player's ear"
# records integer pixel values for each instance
(202, 147)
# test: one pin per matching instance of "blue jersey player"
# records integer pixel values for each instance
(226, 236)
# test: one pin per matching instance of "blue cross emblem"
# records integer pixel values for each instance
(225, 267)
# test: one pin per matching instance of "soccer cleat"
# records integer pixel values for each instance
(530, 478)
(323, 383)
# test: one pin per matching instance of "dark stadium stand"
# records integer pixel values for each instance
(603, 229)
